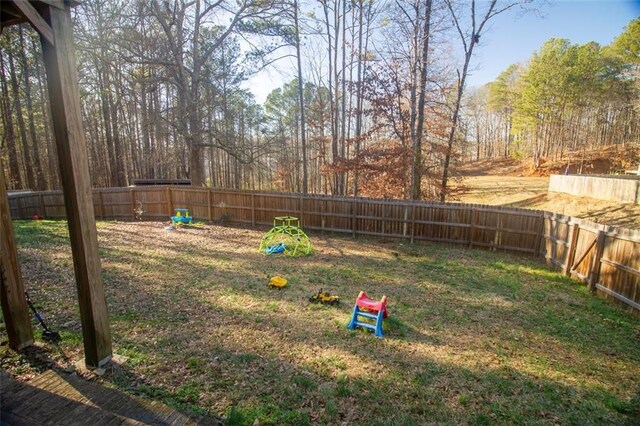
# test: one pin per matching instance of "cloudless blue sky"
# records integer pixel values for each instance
(510, 39)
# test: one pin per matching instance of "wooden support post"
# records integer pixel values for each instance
(596, 262)
(301, 207)
(573, 242)
(66, 117)
(253, 209)
(472, 224)
(14, 305)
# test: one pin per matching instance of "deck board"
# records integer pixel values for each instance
(54, 398)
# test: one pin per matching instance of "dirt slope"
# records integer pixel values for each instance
(516, 183)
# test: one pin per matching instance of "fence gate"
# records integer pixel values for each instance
(587, 271)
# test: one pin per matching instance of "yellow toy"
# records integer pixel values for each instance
(278, 282)
(325, 298)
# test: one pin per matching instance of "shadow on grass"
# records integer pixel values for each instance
(209, 333)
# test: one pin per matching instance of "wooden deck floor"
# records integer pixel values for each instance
(61, 399)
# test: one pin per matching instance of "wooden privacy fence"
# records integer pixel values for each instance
(605, 258)
(621, 189)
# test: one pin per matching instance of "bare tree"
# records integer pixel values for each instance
(469, 39)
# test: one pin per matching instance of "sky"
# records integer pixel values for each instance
(511, 38)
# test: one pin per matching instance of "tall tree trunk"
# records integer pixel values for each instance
(332, 105)
(416, 192)
(358, 129)
(343, 111)
(303, 129)
(413, 115)
(40, 181)
(476, 30)
(15, 177)
(52, 155)
(121, 179)
(17, 109)
(106, 122)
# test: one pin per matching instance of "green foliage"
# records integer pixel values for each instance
(627, 45)
(566, 96)
(502, 91)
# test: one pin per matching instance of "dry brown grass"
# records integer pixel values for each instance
(473, 336)
(531, 192)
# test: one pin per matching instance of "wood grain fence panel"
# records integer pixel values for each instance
(620, 268)
(54, 204)
(263, 211)
(314, 217)
(30, 206)
(227, 206)
(13, 207)
(585, 250)
(196, 200)
(486, 223)
(117, 203)
(557, 233)
(338, 214)
(520, 231)
(153, 202)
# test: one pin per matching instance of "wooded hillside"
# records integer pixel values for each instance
(386, 111)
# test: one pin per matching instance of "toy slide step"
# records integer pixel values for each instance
(366, 325)
(368, 315)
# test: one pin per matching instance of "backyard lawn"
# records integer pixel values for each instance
(473, 337)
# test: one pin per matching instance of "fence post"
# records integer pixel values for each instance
(209, 213)
(301, 208)
(322, 215)
(101, 203)
(573, 242)
(384, 217)
(353, 217)
(169, 202)
(539, 237)
(548, 253)
(42, 212)
(253, 209)
(405, 218)
(133, 203)
(20, 207)
(497, 237)
(413, 220)
(472, 222)
(595, 265)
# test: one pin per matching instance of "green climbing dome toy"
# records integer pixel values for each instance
(286, 237)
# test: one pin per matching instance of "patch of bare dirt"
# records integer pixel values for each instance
(608, 160)
(517, 183)
(531, 192)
